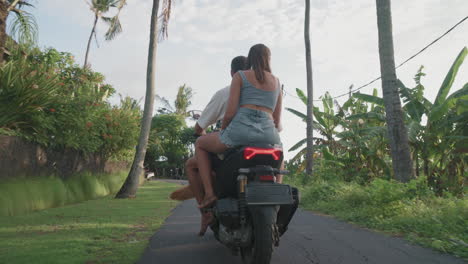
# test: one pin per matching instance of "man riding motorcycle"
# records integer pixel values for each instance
(212, 114)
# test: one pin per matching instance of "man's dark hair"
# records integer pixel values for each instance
(239, 63)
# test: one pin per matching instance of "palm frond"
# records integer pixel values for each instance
(24, 28)
(22, 4)
(165, 103)
(115, 27)
(164, 19)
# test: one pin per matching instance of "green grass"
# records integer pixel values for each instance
(105, 230)
(408, 210)
(26, 194)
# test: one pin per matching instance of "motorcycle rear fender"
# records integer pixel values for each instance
(268, 194)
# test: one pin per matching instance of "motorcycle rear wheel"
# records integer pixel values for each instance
(264, 221)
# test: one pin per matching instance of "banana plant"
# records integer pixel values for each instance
(326, 122)
(364, 136)
(441, 142)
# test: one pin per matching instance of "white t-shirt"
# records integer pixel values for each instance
(215, 109)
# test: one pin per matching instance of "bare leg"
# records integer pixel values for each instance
(196, 186)
(191, 168)
(203, 146)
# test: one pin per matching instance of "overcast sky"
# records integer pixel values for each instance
(204, 35)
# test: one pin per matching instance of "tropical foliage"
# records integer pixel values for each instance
(411, 210)
(23, 27)
(46, 98)
(171, 141)
(183, 100)
(353, 140)
(169, 144)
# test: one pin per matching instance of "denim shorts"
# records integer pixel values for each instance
(250, 127)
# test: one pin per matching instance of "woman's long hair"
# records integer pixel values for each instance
(259, 61)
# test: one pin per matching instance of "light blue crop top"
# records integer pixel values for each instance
(254, 96)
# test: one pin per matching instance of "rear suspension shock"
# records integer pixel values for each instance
(242, 182)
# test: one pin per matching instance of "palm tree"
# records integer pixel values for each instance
(398, 137)
(24, 27)
(130, 186)
(182, 102)
(310, 97)
(99, 7)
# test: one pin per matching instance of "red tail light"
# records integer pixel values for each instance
(251, 152)
(267, 178)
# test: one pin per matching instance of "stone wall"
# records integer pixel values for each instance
(21, 158)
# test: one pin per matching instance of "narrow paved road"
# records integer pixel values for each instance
(310, 239)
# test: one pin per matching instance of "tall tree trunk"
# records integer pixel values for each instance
(416, 159)
(398, 136)
(130, 186)
(96, 18)
(310, 94)
(3, 18)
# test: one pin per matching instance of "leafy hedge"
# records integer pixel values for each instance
(26, 194)
(46, 98)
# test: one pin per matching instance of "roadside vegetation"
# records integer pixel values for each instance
(353, 138)
(52, 101)
(97, 231)
(411, 210)
(353, 179)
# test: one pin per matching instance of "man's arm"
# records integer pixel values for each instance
(211, 113)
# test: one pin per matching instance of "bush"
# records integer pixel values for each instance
(46, 98)
(411, 209)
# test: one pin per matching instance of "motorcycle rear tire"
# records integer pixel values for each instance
(264, 221)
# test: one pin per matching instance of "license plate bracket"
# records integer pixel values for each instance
(268, 194)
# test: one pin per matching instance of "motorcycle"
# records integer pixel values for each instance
(252, 210)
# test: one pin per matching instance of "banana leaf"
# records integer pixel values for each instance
(450, 78)
(368, 115)
(439, 111)
(301, 95)
(297, 113)
(369, 98)
(298, 144)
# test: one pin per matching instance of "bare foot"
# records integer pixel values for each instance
(206, 220)
(207, 202)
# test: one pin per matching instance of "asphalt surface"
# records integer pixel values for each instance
(311, 238)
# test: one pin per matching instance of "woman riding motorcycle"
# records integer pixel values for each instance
(252, 116)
